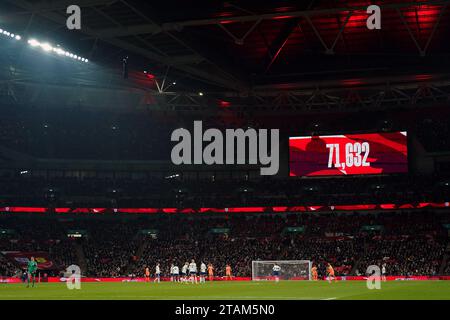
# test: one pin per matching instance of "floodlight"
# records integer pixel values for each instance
(46, 47)
(33, 42)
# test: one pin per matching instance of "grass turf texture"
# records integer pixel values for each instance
(301, 290)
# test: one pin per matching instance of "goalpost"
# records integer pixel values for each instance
(290, 270)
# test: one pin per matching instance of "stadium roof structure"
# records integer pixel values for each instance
(259, 53)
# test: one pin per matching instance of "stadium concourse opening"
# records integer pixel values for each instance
(350, 196)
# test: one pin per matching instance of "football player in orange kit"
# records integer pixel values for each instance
(228, 272)
(314, 273)
(330, 273)
(210, 272)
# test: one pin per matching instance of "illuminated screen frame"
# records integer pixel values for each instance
(401, 150)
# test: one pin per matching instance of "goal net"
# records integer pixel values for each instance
(289, 270)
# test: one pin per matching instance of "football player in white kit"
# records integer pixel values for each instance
(193, 272)
(176, 274)
(157, 274)
(171, 273)
(203, 273)
(383, 272)
(184, 271)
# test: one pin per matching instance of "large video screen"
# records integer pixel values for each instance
(352, 154)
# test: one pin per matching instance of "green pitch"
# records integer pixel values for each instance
(301, 290)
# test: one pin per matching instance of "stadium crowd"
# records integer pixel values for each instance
(36, 235)
(151, 191)
(109, 248)
(409, 243)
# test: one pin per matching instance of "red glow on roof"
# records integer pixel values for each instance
(357, 19)
(425, 14)
(283, 9)
(423, 77)
(352, 82)
(225, 14)
(282, 17)
(226, 21)
(224, 104)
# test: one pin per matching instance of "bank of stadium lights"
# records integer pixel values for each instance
(47, 47)
(10, 34)
(44, 46)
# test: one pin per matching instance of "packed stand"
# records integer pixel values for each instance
(34, 235)
(409, 243)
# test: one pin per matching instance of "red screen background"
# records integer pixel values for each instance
(309, 156)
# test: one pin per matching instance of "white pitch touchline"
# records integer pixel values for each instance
(334, 298)
(249, 297)
(168, 298)
(217, 297)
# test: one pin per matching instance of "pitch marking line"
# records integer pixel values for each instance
(192, 298)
